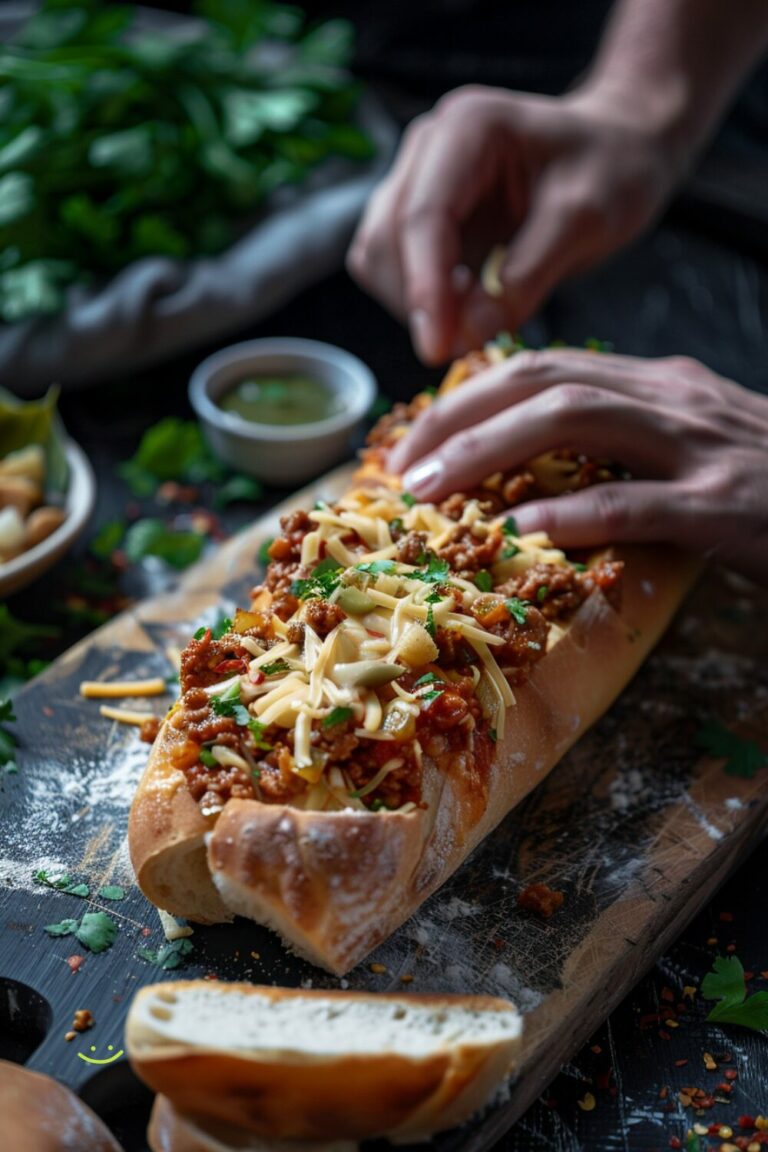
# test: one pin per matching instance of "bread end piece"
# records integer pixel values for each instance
(290, 1064)
(41, 1115)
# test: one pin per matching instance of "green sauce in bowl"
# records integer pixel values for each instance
(282, 400)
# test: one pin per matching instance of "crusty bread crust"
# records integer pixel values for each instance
(295, 1094)
(334, 884)
(41, 1115)
(169, 1131)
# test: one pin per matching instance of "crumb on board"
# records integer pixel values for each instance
(378, 969)
(540, 899)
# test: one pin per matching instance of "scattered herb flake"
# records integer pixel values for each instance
(208, 759)
(510, 528)
(429, 623)
(726, 984)
(742, 757)
(97, 931)
(493, 734)
(376, 567)
(63, 884)
(63, 928)
(112, 892)
(437, 571)
(396, 526)
(484, 581)
(108, 538)
(542, 593)
(517, 609)
(337, 716)
(263, 555)
(238, 489)
(170, 955)
(321, 583)
(275, 668)
(257, 730)
(427, 678)
(408, 499)
(151, 537)
(510, 551)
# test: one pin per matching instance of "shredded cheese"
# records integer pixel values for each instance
(106, 689)
(124, 715)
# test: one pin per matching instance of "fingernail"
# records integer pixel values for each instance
(423, 477)
(423, 334)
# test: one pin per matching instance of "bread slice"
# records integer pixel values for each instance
(292, 1064)
(41, 1115)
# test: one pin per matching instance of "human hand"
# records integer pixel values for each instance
(697, 445)
(563, 181)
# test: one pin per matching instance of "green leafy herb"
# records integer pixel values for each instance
(408, 499)
(509, 527)
(275, 668)
(429, 623)
(62, 884)
(150, 537)
(493, 734)
(484, 581)
(238, 489)
(742, 757)
(595, 345)
(168, 956)
(177, 140)
(257, 730)
(337, 716)
(381, 405)
(508, 343)
(227, 701)
(17, 637)
(321, 583)
(217, 630)
(431, 695)
(509, 552)
(437, 571)
(111, 892)
(577, 567)
(517, 609)
(108, 539)
(396, 526)
(172, 449)
(8, 742)
(96, 931)
(726, 984)
(542, 593)
(427, 678)
(208, 759)
(263, 555)
(63, 928)
(376, 567)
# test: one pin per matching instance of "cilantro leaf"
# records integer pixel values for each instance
(172, 449)
(429, 623)
(407, 499)
(484, 580)
(263, 555)
(337, 716)
(376, 567)
(108, 539)
(63, 928)
(97, 931)
(257, 730)
(219, 629)
(437, 571)
(510, 551)
(427, 678)
(517, 609)
(742, 757)
(542, 593)
(112, 892)
(726, 984)
(228, 701)
(509, 527)
(170, 955)
(321, 583)
(151, 537)
(238, 489)
(63, 884)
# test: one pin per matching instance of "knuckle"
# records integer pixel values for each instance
(686, 366)
(465, 445)
(467, 98)
(610, 508)
(528, 362)
(563, 400)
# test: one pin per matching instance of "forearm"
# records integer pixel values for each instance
(678, 62)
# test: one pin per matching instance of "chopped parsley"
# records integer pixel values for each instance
(427, 678)
(275, 668)
(510, 551)
(726, 984)
(323, 581)
(263, 555)
(96, 931)
(396, 525)
(542, 593)
(509, 527)
(227, 701)
(219, 629)
(432, 695)
(493, 734)
(484, 580)
(62, 884)
(208, 759)
(170, 955)
(337, 716)
(8, 742)
(151, 537)
(742, 757)
(376, 567)
(517, 609)
(257, 730)
(429, 623)
(577, 567)
(408, 499)
(437, 571)
(111, 892)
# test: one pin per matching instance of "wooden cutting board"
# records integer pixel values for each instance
(634, 826)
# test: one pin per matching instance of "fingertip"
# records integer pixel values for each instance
(425, 334)
(425, 478)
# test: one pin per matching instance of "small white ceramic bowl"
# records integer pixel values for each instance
(281, 454)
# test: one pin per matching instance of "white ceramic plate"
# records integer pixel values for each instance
(22, 570)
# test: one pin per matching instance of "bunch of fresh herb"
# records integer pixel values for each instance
(726, 984)
(117, 144)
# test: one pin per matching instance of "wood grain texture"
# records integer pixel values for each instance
(634, 826)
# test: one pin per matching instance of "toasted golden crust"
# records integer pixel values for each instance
(298, 1094)
(41, 1115)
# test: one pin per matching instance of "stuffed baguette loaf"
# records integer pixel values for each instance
(289, 1064)
(338, 841)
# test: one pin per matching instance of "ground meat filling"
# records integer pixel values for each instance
(412, 549)
(558, 590)
(323, 617)
(468, 552)
(524, 635)
(206, 661)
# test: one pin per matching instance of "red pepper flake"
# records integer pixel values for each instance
(746, 1122)
(255, 675)
(680, 1063)
(664, 1035)
(731, 948)
(48, 711)
(235, 665)
(663, 1092)
(668, 995)
(596, 1049)
(499, 944)
(727, 1088)
(675, 1142)
(146, 931)
(731, 1074)
(75, 962)
(726, 917)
